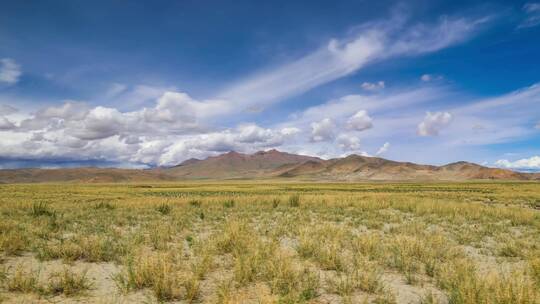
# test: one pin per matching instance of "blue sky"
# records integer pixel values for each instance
(134, 84)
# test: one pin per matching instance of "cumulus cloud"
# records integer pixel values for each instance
(373, 86)
(383, 149)
(173, 113)
(322, 130)
(348, 142)
(360, 121)
(290, 131)
(10, 71)
(99, 123)
(252, 133)
(70, 110)
(532, 163)
(5, 124)
(247, 138)
(433, 123)
(178, 107)
(532, 15)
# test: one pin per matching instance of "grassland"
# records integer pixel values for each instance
(243, 242)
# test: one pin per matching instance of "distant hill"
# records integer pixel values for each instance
(85, 175)
(355, 167)
(273, 164)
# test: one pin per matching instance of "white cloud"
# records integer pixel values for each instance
(373, 86)
(532, 15)
(178, 107)
(344, 107)
(537, 125)
(69, 110)
(360, 121)
(433, 123)
(251, 133)
(532, 163)
(246, 138)
(322, 130)
(426, 77)
(173, 113)
(383, 149)
(99, 123)
(290, 131)
(10, 71)
(374, 41)
(7, 109)
(430, 77)
(348, 143)
(5, 124)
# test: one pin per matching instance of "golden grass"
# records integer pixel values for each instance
(241, 242)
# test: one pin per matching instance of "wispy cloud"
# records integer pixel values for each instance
(532, 15)
(10, 71)
(341, 57)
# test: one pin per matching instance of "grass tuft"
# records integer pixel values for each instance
(294, 200)
(41, 209)
(164, 209)
(68, 283)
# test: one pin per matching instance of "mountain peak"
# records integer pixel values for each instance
(271, 151)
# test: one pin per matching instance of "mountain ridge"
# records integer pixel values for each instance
(273, 164)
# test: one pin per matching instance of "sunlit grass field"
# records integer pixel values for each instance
(241, 242)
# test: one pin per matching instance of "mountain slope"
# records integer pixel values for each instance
(273, 164)
(237, 165)
(355, 167)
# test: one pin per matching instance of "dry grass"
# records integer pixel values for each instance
(273, 242)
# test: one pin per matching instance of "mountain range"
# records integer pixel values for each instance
(273, 164)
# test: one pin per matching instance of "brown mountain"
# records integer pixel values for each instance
(273, 164)
(355, 167)
(237, 165)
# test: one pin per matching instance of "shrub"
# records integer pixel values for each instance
(164, 209)
(195, 203)
(41, 209)
(275, 203)
(294, 200)
(104, 205)
(229, 203)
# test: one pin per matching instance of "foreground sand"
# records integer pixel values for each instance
(241, 242)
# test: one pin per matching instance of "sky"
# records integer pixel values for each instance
(138, 84)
